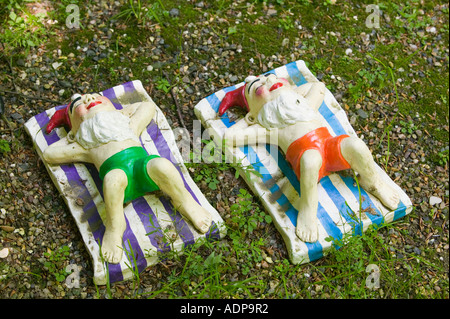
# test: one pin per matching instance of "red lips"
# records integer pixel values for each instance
(276, 86)
(93, 104)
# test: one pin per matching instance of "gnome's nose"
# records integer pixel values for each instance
(271, 79)
(89, 98)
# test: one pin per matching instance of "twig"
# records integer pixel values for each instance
(3, 117)
(30, 97)
(8, 62)
(9, 129)
(180, 116)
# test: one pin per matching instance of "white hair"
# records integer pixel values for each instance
(103, 128)
(286, 109)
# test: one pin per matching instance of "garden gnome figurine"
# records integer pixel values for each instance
(108, 138)
(288, 115)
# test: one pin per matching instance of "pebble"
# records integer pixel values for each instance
(7, 229)
(4, 253)
(362, 113)
(65, 84)
(56, 65)
(434, 200)
(174, 12)
(189, 90)
(90, 53)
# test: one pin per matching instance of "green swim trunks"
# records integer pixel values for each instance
(133, 161)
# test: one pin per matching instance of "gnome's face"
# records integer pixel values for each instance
(263, 89)
(81, 108)
(86, 106)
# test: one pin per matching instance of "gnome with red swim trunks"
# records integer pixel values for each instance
(109, 138)
(288, 115)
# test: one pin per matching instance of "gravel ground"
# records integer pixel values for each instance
(34, 220)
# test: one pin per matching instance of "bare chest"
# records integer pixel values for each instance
(289, 134)
(101, 153)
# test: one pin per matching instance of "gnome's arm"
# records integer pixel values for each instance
(141, 114)
(63, 152)
(241, 134)
(314, 92)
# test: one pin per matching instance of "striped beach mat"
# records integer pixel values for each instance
(153, 226)
(278, 188)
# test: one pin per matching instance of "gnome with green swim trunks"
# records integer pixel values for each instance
(108, 138)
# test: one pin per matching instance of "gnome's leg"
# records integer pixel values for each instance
(168, 179)
(114, 185)
(358, 155)
(310, 164)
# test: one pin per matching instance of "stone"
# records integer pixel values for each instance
(271, 12)
(4, 253)
(65, 84)
(434, 200)
(90, 53)
(7, 229)
(362, 114)
(56, 65)
(174, 12)
(20, 62)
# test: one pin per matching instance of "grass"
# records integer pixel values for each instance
(142, 13)
(227, 269)
(24, 30)
(357, 266)
(4, 146)
(202, 270)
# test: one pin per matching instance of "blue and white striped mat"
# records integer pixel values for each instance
(153, 225)
(278, 188)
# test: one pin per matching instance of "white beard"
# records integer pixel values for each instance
(286, 109)
(103, 128)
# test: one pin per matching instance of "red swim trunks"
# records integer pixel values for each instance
(328, 146)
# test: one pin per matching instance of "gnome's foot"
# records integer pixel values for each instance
(307, 229)
(383, 191)
(112, 246)
(200, 217)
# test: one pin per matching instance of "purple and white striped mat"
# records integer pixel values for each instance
(153, 226)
